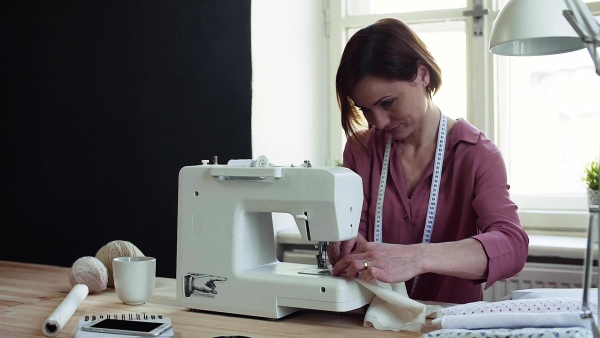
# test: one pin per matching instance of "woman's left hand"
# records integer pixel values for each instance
(389, 263)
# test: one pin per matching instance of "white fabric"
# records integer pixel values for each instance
(391, 308)
(514, 320)
(527, 312)
(554, 293)
(570, 332)
(523, 305)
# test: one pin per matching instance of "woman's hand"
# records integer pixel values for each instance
(339, 250)
(389, 263)
(393, 263)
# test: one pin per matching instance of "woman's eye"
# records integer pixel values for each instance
(387, 104)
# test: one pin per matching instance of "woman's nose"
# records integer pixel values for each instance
(380, 120)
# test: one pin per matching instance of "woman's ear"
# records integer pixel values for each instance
(423, 74)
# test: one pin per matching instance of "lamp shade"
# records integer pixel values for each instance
(533, 27)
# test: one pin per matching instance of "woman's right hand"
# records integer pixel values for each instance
(339, 250)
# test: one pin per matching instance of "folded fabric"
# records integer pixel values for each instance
(391, 308)
(571, 332)
(524, 305)
(554, 293)
(514, 320)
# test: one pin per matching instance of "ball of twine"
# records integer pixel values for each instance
(89, 271)
(116, 249)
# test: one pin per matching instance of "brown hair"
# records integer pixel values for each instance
(387, 49)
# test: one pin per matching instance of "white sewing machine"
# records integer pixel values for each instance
(226, 254)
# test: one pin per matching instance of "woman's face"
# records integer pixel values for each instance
(396, 107)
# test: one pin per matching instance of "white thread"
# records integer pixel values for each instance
(261, 161)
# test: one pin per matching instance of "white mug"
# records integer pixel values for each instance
(134, 278)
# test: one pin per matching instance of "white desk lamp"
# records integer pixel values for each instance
(537, 27)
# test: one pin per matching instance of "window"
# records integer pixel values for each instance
(362, 7)
(440, 37)
(543, 112)
(549, 120)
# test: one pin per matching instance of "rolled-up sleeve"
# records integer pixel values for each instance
(501, 234)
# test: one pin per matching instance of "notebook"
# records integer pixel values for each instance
(123, 316)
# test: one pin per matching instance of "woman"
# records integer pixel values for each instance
(441, 219)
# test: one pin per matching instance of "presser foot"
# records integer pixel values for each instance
(322, 255)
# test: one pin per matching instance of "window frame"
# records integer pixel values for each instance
(544, 213)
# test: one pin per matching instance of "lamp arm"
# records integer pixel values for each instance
(590, 35)
(579, 29)
(594, 50)
(583, 14)
(593, 47)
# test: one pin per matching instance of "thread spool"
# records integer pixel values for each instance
(261, 161)
(89, 271)
(114, 249)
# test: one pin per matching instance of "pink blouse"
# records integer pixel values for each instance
(473, 202)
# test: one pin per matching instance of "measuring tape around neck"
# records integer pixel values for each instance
(433, 194)
(381, 192)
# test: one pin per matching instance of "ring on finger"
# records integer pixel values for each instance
(366, 264)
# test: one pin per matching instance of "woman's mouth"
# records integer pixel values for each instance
(392, 130)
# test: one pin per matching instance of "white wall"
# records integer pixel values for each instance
(290, 82)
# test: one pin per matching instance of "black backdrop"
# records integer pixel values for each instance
(103, 103)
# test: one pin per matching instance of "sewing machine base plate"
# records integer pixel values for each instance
(316, 271)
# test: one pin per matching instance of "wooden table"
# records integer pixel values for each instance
(29, 293)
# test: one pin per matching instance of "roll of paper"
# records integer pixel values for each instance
(59, 318)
